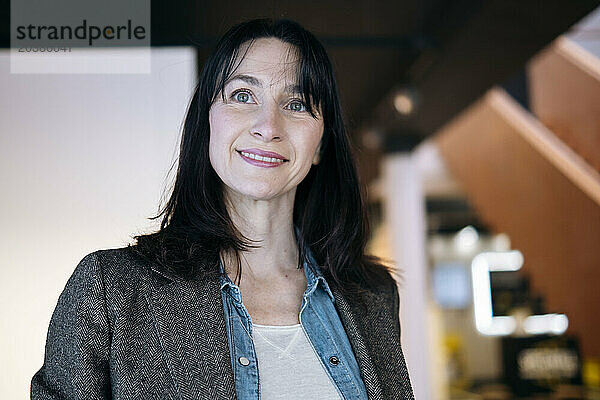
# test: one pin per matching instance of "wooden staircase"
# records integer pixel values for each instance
(535, 175)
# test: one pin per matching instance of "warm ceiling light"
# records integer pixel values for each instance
(404, 103)
(372, 139)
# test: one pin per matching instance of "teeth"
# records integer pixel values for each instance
(261, 158)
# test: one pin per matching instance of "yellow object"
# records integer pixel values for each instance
(591, 372)
(455, 361)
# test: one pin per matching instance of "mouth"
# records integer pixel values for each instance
(262, 156)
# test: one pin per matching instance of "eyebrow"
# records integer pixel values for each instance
(251, 80)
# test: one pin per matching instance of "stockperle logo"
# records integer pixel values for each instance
(80, 36)
(83, 32)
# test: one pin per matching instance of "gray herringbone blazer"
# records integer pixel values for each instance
(127, 329)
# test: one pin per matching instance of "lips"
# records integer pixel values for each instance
(263, 153)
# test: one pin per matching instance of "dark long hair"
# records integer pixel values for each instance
(329, 208)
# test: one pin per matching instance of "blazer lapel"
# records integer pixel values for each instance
(350, 310)
(191, 326)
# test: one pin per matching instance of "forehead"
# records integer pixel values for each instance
(268, 58)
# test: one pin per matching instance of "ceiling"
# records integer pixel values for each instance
(450, 52)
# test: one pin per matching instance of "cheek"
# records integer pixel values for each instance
(217, 139)
(308, 145)
(223, 125)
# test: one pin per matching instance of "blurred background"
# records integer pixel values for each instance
(476, 125)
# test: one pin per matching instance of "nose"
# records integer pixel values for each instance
(268, 125)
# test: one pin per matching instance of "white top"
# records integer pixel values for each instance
(288, 366)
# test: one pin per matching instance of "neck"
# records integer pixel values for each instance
(270, 223)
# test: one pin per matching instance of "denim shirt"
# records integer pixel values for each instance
(319, 320)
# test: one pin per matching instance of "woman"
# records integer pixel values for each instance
(266, 185)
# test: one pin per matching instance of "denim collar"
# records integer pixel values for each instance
(311, 271)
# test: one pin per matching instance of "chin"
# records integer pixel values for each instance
(258, 191)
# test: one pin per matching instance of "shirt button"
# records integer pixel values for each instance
(244, 361)
(334, 360)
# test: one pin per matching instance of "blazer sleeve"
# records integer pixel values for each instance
(77, 347)
(404, 376)
(396, 305)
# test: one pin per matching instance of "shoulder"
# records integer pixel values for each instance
(388, 289)
(385, 289)
(376, 294)
(106, 286)
(113, 265)
(121, 263)
(383, 279)
(88, 293)
(114, 275)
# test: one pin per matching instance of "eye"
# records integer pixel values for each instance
(297, 105)
(241, 96)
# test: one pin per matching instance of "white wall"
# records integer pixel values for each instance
(83, 162)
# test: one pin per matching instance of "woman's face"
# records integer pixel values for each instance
(263, 140)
